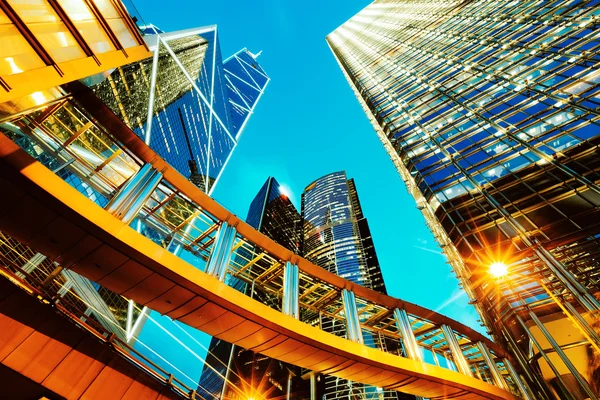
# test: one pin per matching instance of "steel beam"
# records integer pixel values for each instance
(353, 331)
(290, 290)
(493, 367)
(408, 337)
(221, 252)
(516, 378)
(132, 196)
(457, 355)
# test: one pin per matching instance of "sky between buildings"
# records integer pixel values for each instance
(308, 124)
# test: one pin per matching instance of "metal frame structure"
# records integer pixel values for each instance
(177, 214)
(489, 111)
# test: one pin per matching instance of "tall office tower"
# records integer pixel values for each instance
(336, 237)
(187, 103)
(52, 43)
(273, 214)
(336, 234)
(489, 111)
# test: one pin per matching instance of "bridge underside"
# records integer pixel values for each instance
(43, 354)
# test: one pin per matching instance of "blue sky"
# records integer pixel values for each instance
(307, 124)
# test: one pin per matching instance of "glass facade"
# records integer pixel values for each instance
(489, 111)
(48, 43)
(187, 103)
(336, 237)
(272, 213)
(331, 234)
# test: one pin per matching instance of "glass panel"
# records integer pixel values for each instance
(48, 29)
(116, 23)
(122, 32)
(87, 25)
(17, 55)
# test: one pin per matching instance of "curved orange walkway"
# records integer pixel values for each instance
(40, 209)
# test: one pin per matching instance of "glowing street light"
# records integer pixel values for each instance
(498, 269)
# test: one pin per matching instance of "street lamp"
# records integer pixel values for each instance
(498, 269)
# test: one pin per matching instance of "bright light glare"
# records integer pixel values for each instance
(498, 269)
(284, 190)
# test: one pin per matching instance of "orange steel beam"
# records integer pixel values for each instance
(43, 211)
(133, 143)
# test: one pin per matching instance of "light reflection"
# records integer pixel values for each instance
(13, 66)
(498, 269)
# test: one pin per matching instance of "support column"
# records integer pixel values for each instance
(313, 386)
(525, 390)
(288, 395)
(132, 196)
(290, 290)
(227, 373)
(221, 252)
(493, 367)
(542, 390)
(459, 359)
(353, 330)
(408, 337)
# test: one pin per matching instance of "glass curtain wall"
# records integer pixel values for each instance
(489, 110)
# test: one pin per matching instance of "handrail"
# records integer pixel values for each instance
(132, 142)
(176, 205)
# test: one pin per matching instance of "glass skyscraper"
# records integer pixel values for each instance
(336, 237)
(272, 213)
(489, 111)
(186, 102)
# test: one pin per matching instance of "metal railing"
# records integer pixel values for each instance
(121, 171)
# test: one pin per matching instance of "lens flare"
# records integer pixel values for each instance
(498, 269)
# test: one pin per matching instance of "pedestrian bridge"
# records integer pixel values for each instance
(154, 237)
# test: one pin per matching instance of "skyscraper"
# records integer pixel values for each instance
(272, 213)
(186, 102)
(489, 111)
(336, 237)
(336, 234)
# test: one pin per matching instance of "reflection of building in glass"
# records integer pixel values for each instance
(336, 237)
(273, 214)
(186, 102)
(489, 111)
